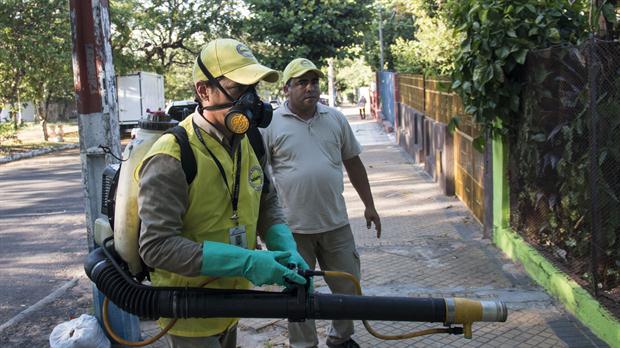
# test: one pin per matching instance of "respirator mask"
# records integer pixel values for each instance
(246, 111)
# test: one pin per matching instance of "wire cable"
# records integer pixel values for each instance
(147, 341)
(358, 290)
(123, 341)
(106, 301)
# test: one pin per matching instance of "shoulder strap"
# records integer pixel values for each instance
(188, 161)
(256, 140)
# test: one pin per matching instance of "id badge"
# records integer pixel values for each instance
(237, 236)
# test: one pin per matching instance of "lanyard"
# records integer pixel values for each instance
(237, 172)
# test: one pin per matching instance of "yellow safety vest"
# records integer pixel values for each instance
(208, 216)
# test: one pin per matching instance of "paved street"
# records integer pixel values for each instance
(42, 247)
(431, 246)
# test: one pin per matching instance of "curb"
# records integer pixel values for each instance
(557, 283)
(38, 152)
(40, 304)
(576, 299)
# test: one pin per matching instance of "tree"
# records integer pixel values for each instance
(280, 30)
(397, 22)
(351, 74)
(605, 18)
(497, 37)
(18, 29)
(35, 54)
(50, 76)
(434, 46)
(165, 36)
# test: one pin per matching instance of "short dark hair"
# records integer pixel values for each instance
(207, 83)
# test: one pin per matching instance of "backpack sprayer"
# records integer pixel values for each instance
(118, 272)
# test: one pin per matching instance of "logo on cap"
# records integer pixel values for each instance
(305, 63)
(244, 51)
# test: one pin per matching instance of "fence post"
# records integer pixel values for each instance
(501, 201)
(487, 231)
(397, 120)
(594, 208)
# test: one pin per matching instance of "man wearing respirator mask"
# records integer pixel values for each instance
(204, 232)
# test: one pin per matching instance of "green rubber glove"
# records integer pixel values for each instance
(280, 237)
(258, 266)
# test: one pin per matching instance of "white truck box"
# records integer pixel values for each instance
(137, 93)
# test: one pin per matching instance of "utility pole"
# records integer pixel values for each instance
(330, 82)
(98, 125)
(380, 41)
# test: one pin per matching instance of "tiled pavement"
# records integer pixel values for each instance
(430, 246)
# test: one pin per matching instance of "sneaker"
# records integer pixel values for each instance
(350, 343)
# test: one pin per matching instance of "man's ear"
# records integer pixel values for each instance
(285, 90)
(203, 90)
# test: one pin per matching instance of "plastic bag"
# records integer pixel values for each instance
(82, 332)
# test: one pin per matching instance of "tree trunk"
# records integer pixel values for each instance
(62, 116)
(13, 116)
(42, 109)
(10, 94)
(42, 114)
(330, 82)
(44, 129)
(17, 121)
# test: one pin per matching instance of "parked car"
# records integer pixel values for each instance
(274, 103)
(324, 99)
(178, 110)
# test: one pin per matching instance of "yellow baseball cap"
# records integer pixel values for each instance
(298, 67)
(234, 60)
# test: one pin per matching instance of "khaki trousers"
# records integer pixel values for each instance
(226, 339)
(335, 251)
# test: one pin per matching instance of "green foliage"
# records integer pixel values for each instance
(397, 23)
(7, 132)
(423, 43)
(454, 123)
(270, 91)
(431, 53)
(497, 38)
(551, 169)
(605, 19)
(317, 30)
(351, 74)
(35, 53)
(51, 78)
(178, 83)
(160, 34)
(165, 36)
(407, 56)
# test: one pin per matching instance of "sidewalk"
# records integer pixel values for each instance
(430, 246)
(33, 144)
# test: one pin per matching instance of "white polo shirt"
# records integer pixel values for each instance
(306, 160)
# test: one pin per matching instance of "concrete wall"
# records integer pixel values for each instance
(428, 142)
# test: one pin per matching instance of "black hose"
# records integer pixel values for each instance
(174, 302)
(354, 307)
